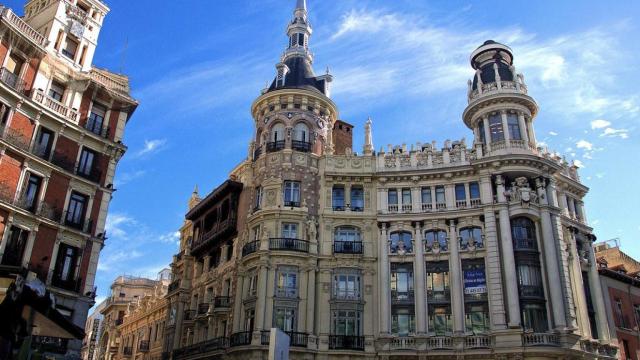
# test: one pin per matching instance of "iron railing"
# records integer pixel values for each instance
(289, 244)
(302, 146)
(250, 248)
(347, 247)
(68, 284)
(222, 302)
(240, 339)
(275, 146)
(346, 342)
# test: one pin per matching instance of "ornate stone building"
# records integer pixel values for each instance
(62, 122)
(469, 250)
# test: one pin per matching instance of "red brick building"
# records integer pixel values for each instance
(61, 126)
(621, 289)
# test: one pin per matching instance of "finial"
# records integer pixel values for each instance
(195, 189)
(328, 72)
(301, 5)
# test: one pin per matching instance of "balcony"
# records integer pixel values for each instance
(301, 146)
(440, 343)
(461, 204)
(77, 13)
(240, 339)
(502, 87)
(347, 247)
(119, 321)
(56, 106)
(127, 351)
(478, 342)
(392, 208)
(476, 202)
(427, 207)
(257, 152)
(439, 296)
(189, 315)
(275, 146)
(402, 343)
(402, 297)
(345, 342)
(73, 285)
(97, 129)
(93, 175)
(540, 339)
(220, 230)
(250, 248)
(292, 204)
(16, 22)
(531, 291)
(71, 220)
(441, 206)
(12, 80)
(297, 339)
(525, 244)
(203, 308)
(288, 244)
(144, 346)
(222, 303)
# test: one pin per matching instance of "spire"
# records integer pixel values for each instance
(368, 138)
(194, 199)
(301, 5)
(299, 31)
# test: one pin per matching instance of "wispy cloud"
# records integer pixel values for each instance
(151, 146)
(584, 144)
(170, 238)
(599, 124)
(611, 132)
(127, 177)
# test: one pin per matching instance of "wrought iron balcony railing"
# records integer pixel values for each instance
(250, 248)
(302, 146)
(347, 247)
(12, 80)
(346, 342)
(289, 244)
(222, 302)
(240, 339)
(275, 146)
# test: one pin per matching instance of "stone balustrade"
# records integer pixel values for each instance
(16, 22)
(57, 107)
(501, 87)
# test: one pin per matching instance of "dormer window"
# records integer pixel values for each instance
(281, 74)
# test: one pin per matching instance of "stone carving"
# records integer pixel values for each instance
(521, 191)
(312, 229)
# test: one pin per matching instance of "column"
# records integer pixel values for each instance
(450, 196)
(564, 205)
(572, 207)
(457, 295)
(576, 275)
(523, 128)
(551, 259)
(505, 126)
(467, 194)
(508, 259)
(532, 134)
(303, 286)
(384, 200)
(384, 309)
(493, 272)
(416, 200)
(237, 304)
(262, 295)
(177, 336)
(207, 263)
(311, 301)
(487, 132)
(598, 298)
(420, 281)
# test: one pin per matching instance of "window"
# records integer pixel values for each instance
(514, 127)
(70, 48)
(426, 195)
(433, 237)
(357, 198)
(285, 318)
(56, 91)
(14, 249)
(277, 133)
(495, 128)
(287, 285)
(524, 234)
(290, 230)
(258, 199)
(471, 236)
(249, 319)
(402, 321)
(347, 240)
(406, 196)
(474, 191)
(477, 318)
(346, 286)
(438, 281)
(401, 281)
(392, 197)
(253, 284)
(481, 132)
(346, 322)
(461, 193)
(534, 317)
(627, 352)
(43, 143)
(620, 314)
(530, 280)
(337, 197)
(31, 192)
(440, 321)
(636, 312)
(441, 201)
(292, 193)
(66, 263)
(85, 165)
(14, 65)
(76, 210)
(96, 118)
(301, 133)
(401, 242)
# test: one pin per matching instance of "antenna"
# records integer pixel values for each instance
(123, 59)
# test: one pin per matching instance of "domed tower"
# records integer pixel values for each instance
(500, 112)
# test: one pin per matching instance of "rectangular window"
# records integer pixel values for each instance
(14, 65)
(56, 91)
(393, 197)
(31, 192)
(66, 263)
(337, 197)
(514, 127)
(481, 132)
(440, 321)
(461, 193)
(495, 128)
(534, 317)
(287, 284)
(620, 314)
(249, 322)
(258, 199)
(253, 285)
(85, 165)
(438, 281)
(70, 48)
(96, 118)
(426, 195)
(292, 193)
(14, 249)
(474, 190)
(76, 210)
(346, 286)
(284, 318)
(403, 321)
(346, 322)
(627, 351)
(290, 230)
(406, 196)
(402, 282)
(357, 198)
(44, 142)
(440, 197)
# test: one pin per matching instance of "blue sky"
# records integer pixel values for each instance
(196, 66)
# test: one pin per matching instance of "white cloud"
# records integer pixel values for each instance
(115, 224)
(599, 124)
(584, 144)
(171, 238)
(578, 163)
(151, 146)
(611, 132)
(127, 177)
(553, 133)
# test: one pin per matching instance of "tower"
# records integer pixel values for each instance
(499, 112)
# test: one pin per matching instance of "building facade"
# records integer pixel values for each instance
(92, 330)
(478, 251)
(61, 126)
(621, 288)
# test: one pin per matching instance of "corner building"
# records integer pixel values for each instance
(466, 251)
(62, 121)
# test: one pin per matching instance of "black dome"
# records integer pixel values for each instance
(300, 76)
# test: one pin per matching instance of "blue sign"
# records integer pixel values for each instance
(475, 282)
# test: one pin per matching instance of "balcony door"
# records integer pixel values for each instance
(16, 245)
(66, 263)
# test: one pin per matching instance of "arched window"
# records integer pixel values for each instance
(277, 133)
(471, 236)
(347, 240)
(436, 239)
(301, 132)
(523, 232)
(401, 242)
